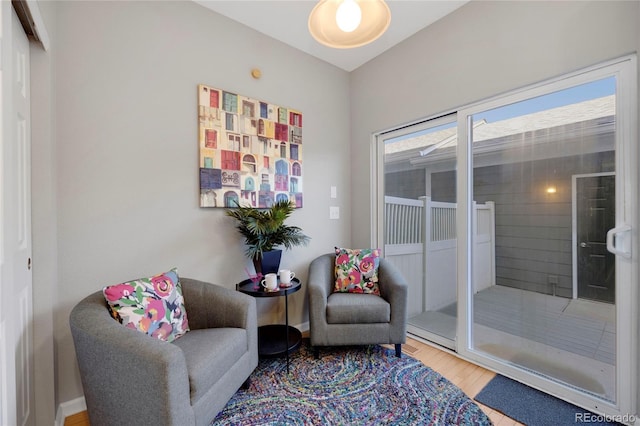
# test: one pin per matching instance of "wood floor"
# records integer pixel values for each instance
(468, 377)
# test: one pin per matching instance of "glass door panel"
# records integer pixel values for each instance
(544, 284)
(420, 223)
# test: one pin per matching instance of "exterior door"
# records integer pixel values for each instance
(595, 197)
(515, 310)
(16, 318)
(418, 222)
(526, 150)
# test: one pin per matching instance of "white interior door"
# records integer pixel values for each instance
(16, 353)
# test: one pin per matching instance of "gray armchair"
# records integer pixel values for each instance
(338, 319)
(130, 378)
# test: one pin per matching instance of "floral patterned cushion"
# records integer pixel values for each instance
(357, 271)
(154, 305)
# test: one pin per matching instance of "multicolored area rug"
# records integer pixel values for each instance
(365, 385)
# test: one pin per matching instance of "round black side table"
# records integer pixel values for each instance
(275, 340)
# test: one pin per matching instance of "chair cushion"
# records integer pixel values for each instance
(209, 354)
(152, 305)
(357, 270)
(345, 308)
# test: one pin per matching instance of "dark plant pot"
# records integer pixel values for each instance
(269, 263)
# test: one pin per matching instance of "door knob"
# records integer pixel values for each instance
(583, 245)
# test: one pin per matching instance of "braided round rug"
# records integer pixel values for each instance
(363, 385)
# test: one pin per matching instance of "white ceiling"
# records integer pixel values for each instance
(287, 21)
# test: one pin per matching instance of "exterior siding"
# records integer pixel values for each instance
(443, 186)
(533, 228)
(408, 184)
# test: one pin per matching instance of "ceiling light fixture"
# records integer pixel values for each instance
(344, 24)
(348, 16)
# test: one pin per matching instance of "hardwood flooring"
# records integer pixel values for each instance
(79, 419)
(468, 377)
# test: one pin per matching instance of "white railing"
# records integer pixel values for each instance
(426, 255)
(442, 219)
(403, 220)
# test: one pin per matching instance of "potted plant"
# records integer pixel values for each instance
(264, 230)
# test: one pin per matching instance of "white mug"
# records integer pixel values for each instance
(286, 276)
(270, 282)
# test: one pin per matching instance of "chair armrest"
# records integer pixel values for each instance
(321, 280)
(212, 306)
(117, 363)
(394, 289)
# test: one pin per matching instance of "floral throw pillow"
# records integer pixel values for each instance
(154, 305)
(357, 271)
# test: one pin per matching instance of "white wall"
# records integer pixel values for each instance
(126, 76)
(482, 49)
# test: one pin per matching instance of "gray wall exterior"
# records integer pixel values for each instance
(408, 184)
(533, 229)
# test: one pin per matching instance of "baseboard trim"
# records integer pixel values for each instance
(303, 327)
(70, 408)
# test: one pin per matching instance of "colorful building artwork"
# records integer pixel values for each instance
(250, 151)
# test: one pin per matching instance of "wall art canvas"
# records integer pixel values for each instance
(250, 151)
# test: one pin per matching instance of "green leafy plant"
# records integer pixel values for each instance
(264, 229)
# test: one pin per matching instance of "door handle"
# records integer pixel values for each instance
(584, 245)
(615, 242)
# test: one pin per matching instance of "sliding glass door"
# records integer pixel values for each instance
(512, 222)
(551, 161)
(419, 222)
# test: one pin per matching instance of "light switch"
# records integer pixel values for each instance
(334, 212)
(334, 192)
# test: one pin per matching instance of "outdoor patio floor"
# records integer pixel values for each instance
(551, 335)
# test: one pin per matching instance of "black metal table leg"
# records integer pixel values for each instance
(286, 330)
